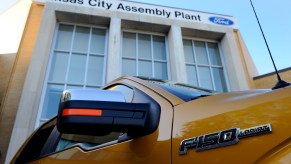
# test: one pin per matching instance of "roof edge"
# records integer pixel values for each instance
(271, 73)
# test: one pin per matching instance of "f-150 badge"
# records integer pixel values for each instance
(222, 138)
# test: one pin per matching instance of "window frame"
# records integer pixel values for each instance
(210, 65)
(153, 61)
(65, 84)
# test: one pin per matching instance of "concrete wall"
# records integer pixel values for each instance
(269, 80)
(250, 69)
(6, 65)
(14, 91)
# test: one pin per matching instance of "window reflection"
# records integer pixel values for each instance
(144, 55)
(208, 71)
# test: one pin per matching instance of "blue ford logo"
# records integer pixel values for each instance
(221, 21)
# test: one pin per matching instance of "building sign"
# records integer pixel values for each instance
(221, 21)
(152, 10)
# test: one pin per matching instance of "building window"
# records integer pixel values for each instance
(204, 65)
(144, 55)
(78, 61)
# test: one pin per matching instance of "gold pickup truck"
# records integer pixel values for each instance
(140, 121)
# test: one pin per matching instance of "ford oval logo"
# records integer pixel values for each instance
(221, 21)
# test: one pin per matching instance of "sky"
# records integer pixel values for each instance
(4, 4)
(273, 15)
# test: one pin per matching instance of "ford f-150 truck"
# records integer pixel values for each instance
(131, 120)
